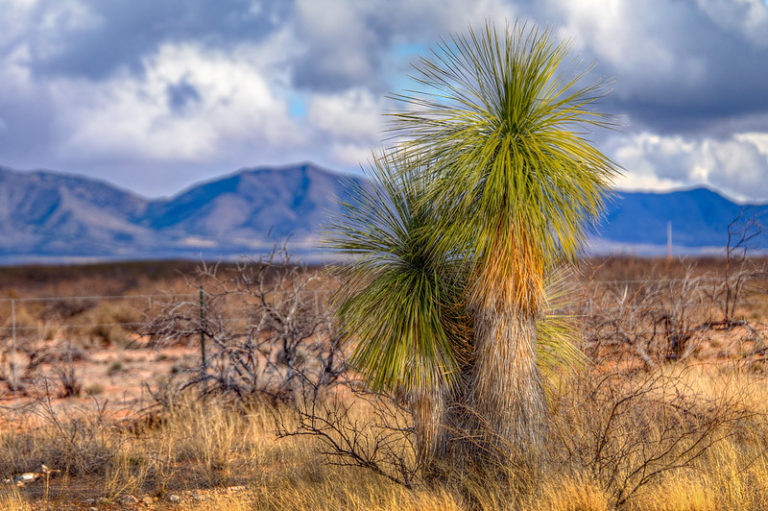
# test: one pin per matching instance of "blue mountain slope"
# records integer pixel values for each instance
(52, 215)
(699, 217)
(49, 212)
(294, 201)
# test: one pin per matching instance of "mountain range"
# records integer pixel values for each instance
(48, 216)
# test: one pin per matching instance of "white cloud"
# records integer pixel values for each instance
(350, 123)
(352, 155)
(759, 140)
(434, 19)
(131, 115)
(635, 40)
(15, 18)
(345, 41)
(353, 116)
(737, 165)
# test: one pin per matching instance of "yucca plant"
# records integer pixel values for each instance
(515, 183)
(401, 301)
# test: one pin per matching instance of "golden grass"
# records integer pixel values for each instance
(12, 500)
(730, 477)
(197, 451)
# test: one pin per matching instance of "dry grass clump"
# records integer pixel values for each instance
(731, 476)
(12, 500)
(77, 444)
(323, 487)
(679, 438)
(112, 323)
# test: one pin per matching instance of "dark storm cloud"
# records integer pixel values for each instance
(732, 85)
(684, 66)
(342, 54)
(27, 116)
(693, 66)
(326, 69)
(23, 130)
(122, 32)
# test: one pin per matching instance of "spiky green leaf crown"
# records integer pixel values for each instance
(505, 134)
(400, 302)
(494, 184)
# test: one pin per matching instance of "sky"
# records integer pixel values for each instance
(154, 95)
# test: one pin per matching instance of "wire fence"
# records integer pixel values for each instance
(11, 325)
(57, 316)
(16, 326)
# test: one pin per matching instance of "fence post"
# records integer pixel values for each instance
(204, 364)
(13, 356)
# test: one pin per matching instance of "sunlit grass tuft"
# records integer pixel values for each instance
(215, 456)
(12, 500)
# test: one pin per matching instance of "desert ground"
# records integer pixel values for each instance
(105, 403)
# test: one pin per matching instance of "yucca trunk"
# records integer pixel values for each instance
(505, 389)
(428, 408)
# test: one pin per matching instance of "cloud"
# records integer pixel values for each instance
(678, 66)
(746, 18)
(354, 116)
(340, 47)
(736, 165)
(346, 42)
(93, 39)
(191, 89)
(26, 108)
(181, 94)
(226, 104)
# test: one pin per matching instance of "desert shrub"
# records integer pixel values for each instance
(627, 430)
(355, 427)
(28, 327)
(70, 383)
(94, 390)
(114, 368)
(66, 308)
(112, 323)
(77, 443)
(652, 322)
(267, 329)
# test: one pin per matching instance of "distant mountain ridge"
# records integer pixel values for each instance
(51, 213)
(699, 218)
(249, 204)
(49, 216)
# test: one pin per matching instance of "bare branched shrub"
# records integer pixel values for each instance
(357, 427)
(650, 321)
(66, 373)
(271, 333)
(70, 383)
(611, 324)
(627, 429)
(740, 272)
(654, 320)
(75, 442)
(267, 327)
